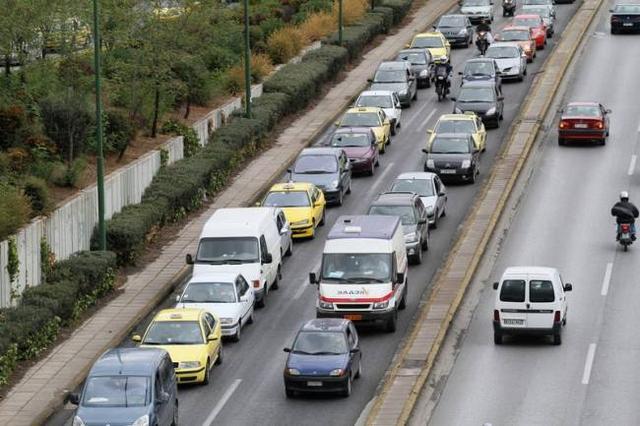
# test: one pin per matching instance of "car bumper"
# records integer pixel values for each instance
(452, 174)
(619, 26)
(457, 39)
(331, 196)
(476, 19)
(513, 331)
(302, 231)
(582, 134)
(362, 165)
(539, 42)
(412, 247)
(190, 376)
(510, 75)
(360, 317)
(405, 99)
(230, 330)
(327, 383)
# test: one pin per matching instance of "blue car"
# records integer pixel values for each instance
(325, 357)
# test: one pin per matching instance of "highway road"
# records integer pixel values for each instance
(247, 389)
(564, 221)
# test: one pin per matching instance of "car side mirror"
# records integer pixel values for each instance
(257, 204)
(568, 287)
(608, 111)
(284, 230)
(287, 350)
(441, 194)
(313, 278)
(74, 398)
(412, 78)
(399, 278)
(178, 298)
(136, 338)
(369, 80)
(524, 55)
(459, 72)
(495, 285)
(429, 131)
(475, 150)
(163, 397)
(453, 99)
(337, 124)
(373, 142)
(611, 10)
(212, 338)
(355, 350)
(407, 45)
(425, 150)
(398, 105)
(267, 258)
(189, 259)
(422, 221)
(501, 98)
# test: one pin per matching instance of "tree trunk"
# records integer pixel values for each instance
(156, 112)
(7, 65)
(188, 108)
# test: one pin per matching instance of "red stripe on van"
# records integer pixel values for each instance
(357, 299)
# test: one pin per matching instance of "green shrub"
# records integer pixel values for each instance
(8, 357)
(119, 131)
(191, 144)
(356, 37)
(387, 16)
(269, 108)
(15, 210)
(335, 57)
(217, 58)
(400, 8)
(37, 192)
(300, 81)
(31, 328)
(60, 298)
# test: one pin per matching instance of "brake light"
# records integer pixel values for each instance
(556, 317)
(256, 283)
(564, 124)
(599, 125)
(496, 315)
(625, 227)
(615, 19)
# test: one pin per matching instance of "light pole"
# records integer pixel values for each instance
(340, 23)
(247, 61)
(102, 232)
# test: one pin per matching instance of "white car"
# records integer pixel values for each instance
(227, 295)
(385, 99)
(477, 10)
(510, 58)
(530, 300)
(429, 188)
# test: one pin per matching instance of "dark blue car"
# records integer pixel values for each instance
(325, 357)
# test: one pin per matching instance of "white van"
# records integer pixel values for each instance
(246, 241)
(530, 300)
(363, 275)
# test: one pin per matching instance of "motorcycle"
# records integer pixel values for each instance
(482, 43)
(441, 86)
(508, 7)
(624, 238)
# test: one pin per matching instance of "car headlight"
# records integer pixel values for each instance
(430, 210)
(466, 164)
(402, 93)
(293, 371)
(491, 111)
(424, 73)
(457, 110)
(411, 237)
(325, 305)
(381, 305)
(334, 184)
(77, 421)
(301, 222)
(337, 372)
(463, 32)
(431, 164)
(189, 364)
(142, 421)
(226, 321)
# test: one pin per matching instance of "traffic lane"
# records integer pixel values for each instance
(564, 221)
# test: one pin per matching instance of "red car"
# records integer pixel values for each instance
(584, 121)
(536, 26)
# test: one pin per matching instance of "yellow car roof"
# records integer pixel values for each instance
(363, 109)
(292, 186)
(179, 314)
(457, 117)
(429, 34)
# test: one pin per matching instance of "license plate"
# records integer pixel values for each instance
(513, 322)
(353, 317)
(580, 126)
(447, 171)
(314, 384)
(627, 24)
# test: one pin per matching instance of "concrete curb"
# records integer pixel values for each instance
(525, 133)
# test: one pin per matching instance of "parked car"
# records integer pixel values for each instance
(625, 18)
(511, 59)
(522, 36)
(360, 145)
(457, 29)
(481, 69)
(421, 64)
(396, 76)
(547, 14)
(413, 215)
(483, 98)
(133, 386)
(536, 26)
(327, 168)
(388, 101)
(468, 123)
(429, 188)
(454, 157)
(227, 296)
(434, 41)
(582, 122)
(372, 117)
(477, 10)
(302, 203)
(325, 357)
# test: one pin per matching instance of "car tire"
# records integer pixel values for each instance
(425, 244)
(174, 420)
(416, 259)
(392, 323)
(207, 374)
(497, 338)
(220, 357)
(262, 303)
(415, 96)
(321, 223)
(525, 72)
(393, 128)
(289, 251)
(473, 176)
(372, 170)
(289, 393)
(236, 337)
(603, 141)
(561, 142)
(313, 229)
(349, 187)
(359, 372)
(444, 211)
(346, 392)
(403, 302)
(378, 161)
(435, 221)
(340, 198)
(557, 338)
(250, 319)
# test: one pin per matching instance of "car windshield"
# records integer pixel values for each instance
(380, 101)
(451, 21)
(287, 199)
(541, 11)
(626, 8)
(357, 268)
(414, 58)
(116, 391)
(514, 35)
(450, 146)
(527, 22)
(320, 343)
(209, 293)
(474, 3)
(390, 76)
(549, 2)
(353, 139)
(476, 94)
(422, 187)
(174, 333)
(582, 110)
(541, 291)
(455, 126)
(512, 291)
(502, 52)
(405, 213)
(358, 119)
(478, 68)
(429, 42)
(228, 250)
(316, 164)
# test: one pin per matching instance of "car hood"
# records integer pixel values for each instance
(429, 202)
(418, 68)
(394, 87)
(391, 112)
(449, 157)
(407, 229)
(222, 310)
(505, 63)
(475, 9)
(251, 271)
(319, 179)
(321, 365)
(477, 77)
(475, 106)
(437, 52)
(179, 353)
(450, 30)
(296, 214)
(114, 416)
(358, 151)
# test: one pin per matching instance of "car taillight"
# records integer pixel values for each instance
(598, 125)
(556, 317)
(256, 283)
(496, 315)
(564, 124)
(625, 227)
(615, 19)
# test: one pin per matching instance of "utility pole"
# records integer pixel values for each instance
(247, 61)
(102, 231)
(340, 23)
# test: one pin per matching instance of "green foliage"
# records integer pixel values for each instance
(190, 142)
(400, 8)
(356, 37)
(66, 175)
(387, 14)
(37, 192)
(31, 328)
(15, 209)
(119, 131)
(13, 262)
(13, 120)
(47, 260)
(8, 358)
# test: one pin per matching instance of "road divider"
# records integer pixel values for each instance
(411, 366)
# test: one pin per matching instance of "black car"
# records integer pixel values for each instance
(483, 98)
(421, 64)
(625, 18)
(396, 76)
(327, 168)
(481, 69)
(457, 29)
(453, 156)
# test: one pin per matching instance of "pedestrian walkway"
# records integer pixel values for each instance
(42, 389)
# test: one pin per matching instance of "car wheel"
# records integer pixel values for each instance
(290, 393)
(425, 244)
(383, 149)
(415, 96)
(603, 141)
(435, 221)
(220, 357)
(444, 211)
(521, 77)
(403, 302)
(347, 389)
(377, 161)
(525, 72)
(250, 319)
(174, 421)
(340, 198)
(392, 323)
(497, 338)
(417, 258)
(557, 338)
(349, 187)
(473, 177)
(207, 374)
(393, 128)
(276, 282)
(359, 372)
(263, 301)
(372, 169)
(321, 223)
(289, 251)
(236, 337)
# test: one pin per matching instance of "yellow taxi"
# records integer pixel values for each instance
(303, 205)
(372, 117)
(434, 42)
(467, 123)
(191, 336)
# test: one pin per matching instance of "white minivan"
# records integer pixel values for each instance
(363, 274)
(530, 300)
(245, 241)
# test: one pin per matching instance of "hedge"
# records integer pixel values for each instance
(356, 37)
(387, 16)
(400, 8)
(75, 284)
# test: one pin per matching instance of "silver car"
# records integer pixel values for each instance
(429, 188)
(510, 58)
(477, 10)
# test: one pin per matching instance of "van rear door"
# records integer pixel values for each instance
(511, 302)
(541, 302)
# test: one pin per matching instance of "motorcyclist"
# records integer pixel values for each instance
(443, 67)
(625, 212)
(484, 26)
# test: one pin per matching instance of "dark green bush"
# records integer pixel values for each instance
(335, 57)
(36, 190)
(400, 8)
(387, 16)
(119, 131)
(300, 81)
(356, 37)
(8, 357)
(269, 108)
(60, 297)
(15, 209)
(190, 142)
(31, 328)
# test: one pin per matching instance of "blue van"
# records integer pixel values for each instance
(132, 386)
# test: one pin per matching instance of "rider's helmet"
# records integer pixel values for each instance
(624, 196)
(442, 60)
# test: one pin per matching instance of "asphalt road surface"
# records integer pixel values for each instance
(247, 389)
(564, 221)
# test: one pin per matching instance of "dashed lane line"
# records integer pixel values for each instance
(588, 363)
(632, 165)
(220, 405)
(607, 279)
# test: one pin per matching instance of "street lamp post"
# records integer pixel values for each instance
(247, 61)
(102, 232)
(340, 22)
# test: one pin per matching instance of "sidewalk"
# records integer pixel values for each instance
(41, 390)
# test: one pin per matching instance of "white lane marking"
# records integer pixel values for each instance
(426, 120)
(588, 363)
(381, 177)
(632, 165)
(305, 284)
(607, 279)
(418, 115)
(638, 128)
(222, 402)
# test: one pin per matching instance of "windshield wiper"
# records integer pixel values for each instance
(325, 353)
(472, 100)
(296, 351)
(340, 280)
(315, 172)
(364, 279)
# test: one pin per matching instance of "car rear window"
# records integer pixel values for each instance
(512, 291)
(541, 291)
